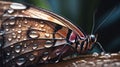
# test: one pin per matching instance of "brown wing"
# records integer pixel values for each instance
(28, 33)
(25, 35)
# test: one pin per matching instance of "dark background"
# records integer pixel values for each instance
(106, 15)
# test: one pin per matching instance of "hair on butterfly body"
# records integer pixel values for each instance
(33, 36)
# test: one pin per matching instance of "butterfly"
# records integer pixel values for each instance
(31, 36)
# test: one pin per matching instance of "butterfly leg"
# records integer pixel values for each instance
(97, 44)
(65, 49)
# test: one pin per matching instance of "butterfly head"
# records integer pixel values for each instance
(92, 38)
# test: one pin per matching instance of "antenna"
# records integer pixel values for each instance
(93, 26)
(105, 19)
(101, 47)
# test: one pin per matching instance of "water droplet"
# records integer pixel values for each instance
(17, 49)
(95, 54)
(13, 56)
(2, 32)
(14, 36)
(57, 53)
(12, 23)
(45, 58)
(19, 31)
(56, 61)
(7, 29)
(48, 44)
(19, 25)
(47, 35)
(40, 29)
(13, 33)
(9, 39)
(18, 36)
(18, 6)
(35, 46)
(45, 53)
(20, 61)
(25, 45)
(31, 57)
(24, 39)
(12, 18)
(10, 11)
(36, 24)
(11, 46)
(42, 24)
(13, 29)
(25, 22)
(8, 53)
(23, 50)
(33, 34)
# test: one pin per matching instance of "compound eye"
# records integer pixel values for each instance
(92, 38)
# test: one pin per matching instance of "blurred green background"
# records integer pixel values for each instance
(104, 13)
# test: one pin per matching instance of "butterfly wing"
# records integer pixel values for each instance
(31, 34)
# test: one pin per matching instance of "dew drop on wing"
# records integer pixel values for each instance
(33, 34)
(8, 53)
(47, 35)
(48, 44)
(20, 61)
(17, 48)
(45, 56)
(2, 32)
(19, 36)
(42, 24)
(12, 23)
(10, 11)
(19, 31)
(35, 46)
(9, 39)
(31, 57)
